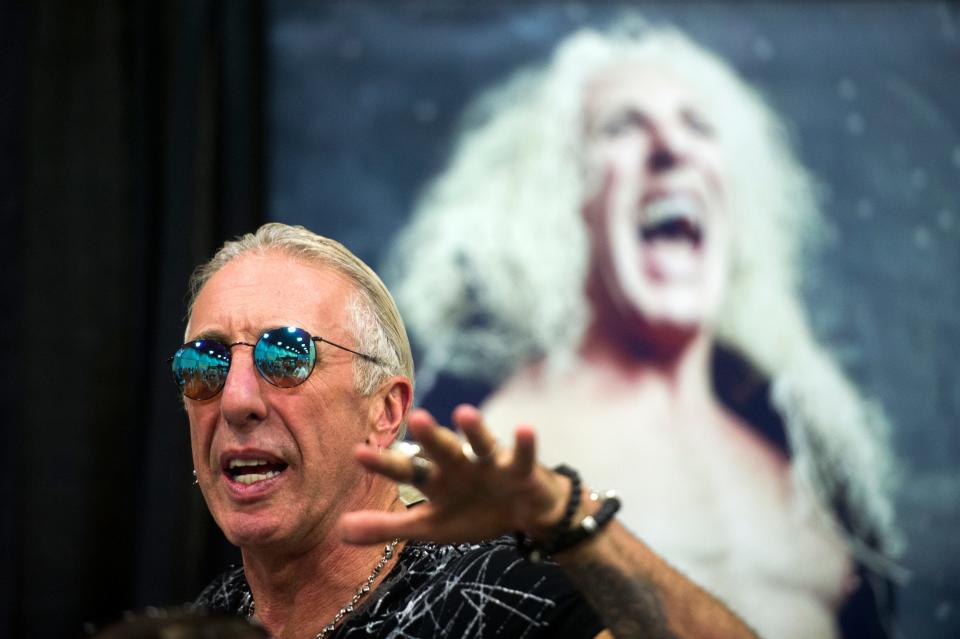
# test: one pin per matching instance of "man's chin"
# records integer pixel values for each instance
(670, 313)
(252, 530)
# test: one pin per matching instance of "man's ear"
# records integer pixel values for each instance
(389, 409)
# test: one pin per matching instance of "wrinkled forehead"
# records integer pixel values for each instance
(640, 84)
(257, 291)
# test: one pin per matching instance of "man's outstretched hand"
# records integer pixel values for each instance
(476, 491)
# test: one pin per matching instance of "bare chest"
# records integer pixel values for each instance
(712, 498)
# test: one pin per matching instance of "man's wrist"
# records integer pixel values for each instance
(584, 514)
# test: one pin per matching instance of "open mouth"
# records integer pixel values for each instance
(251, 471)
(672, 218)
(672, 229)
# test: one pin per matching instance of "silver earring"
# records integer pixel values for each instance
(195, 480)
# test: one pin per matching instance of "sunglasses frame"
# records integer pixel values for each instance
(229, 349)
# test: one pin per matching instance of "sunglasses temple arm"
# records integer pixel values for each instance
(369, 358)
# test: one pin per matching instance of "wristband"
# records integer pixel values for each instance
(563, 536)
(591, 524)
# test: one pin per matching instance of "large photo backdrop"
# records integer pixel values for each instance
(366, 99)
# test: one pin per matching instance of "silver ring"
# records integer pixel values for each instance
(472, 456)
(421, 470)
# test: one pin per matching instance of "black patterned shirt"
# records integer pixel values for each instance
(473, 591)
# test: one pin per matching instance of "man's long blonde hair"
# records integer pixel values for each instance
(490, 272)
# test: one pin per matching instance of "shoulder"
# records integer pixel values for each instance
(228, 593)
(531, 395)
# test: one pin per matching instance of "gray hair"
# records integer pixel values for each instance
(374, 321)
(490, 272)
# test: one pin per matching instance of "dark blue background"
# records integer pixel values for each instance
(364, 98)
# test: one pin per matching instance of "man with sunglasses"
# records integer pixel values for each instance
(297, 380)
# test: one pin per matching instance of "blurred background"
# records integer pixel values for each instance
(137, 136)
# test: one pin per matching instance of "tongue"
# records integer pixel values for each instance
(671, 259)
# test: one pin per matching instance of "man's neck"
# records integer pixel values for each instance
(298, 592)
(680, 374)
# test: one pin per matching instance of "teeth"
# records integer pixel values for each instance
(238, 463)
(253, 478)
(669, 208)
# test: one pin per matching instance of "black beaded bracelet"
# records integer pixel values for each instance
(536, 553)
(591, 524)
(563, 536)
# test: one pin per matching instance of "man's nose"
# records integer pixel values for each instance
(667, 148)
(242, 402)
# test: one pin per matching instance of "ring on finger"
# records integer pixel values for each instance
(473, 458)
(421, 470)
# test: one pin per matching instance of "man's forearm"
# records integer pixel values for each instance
(638, 594)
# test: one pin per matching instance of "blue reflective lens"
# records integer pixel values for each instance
(285, 356)
(200, 368)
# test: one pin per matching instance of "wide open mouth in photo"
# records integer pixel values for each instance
(672, 229)
(673, 217)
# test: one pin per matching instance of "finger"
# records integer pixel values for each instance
(396, 466)
(469, 421)
(440, 444)
(375, 526)
(525, 450)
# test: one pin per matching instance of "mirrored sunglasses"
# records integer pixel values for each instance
(284, 356)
